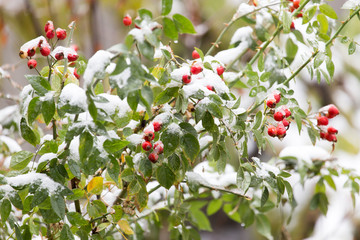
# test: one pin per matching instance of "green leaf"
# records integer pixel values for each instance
(328, 11)
(66, 233)
(165, 176)
(166, 95)
(48, 110)
(144, 13)
(309, 14)
(76, 219)
(200, 53)
(39, 83)
(324, 23)
(190, 145)
(166, 6)
(146, 49)
(264, 196)
(201, 219)
(320, 201)
(85, 145)
(27, 133)
(319, 59)
(291, 50)
(170, 29)
(40, 195)
(183, 24)
(58, 205)
(258, 120)
(188, 128)
(330, 181)
(113, 169)
(214, 206)
(214, 109)
(352, 48)
(171, 141)
(96, 208)
(114, 145)
(263, 226)
(5, 209)
(286, 20)
(133, 99)
(20, 160)
(34, 109)
(18, 233)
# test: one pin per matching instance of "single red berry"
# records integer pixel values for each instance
(220, 70)
(50, 34)
(32, 63)
(159, 147)
(285, 122)
(287, 112)
(272, 131)
(49, 26)
(76, 74)
(277, 97)
(300, 15)
(153, 157)
(157, 126)
(186, 79)
(296, 4)
(271, 103)
(45, 51)
(323, 135)
(72, 57)
(279, 116)
(146, 146)
(196, 69)
(322, 120)
(332, 130)
(333, 111)
(195, 55)
(127, 20)
(292, 9)
(149, 135)
(292, 26)
(60, 33)
(331, 137)
(211, 88)
(59, 56)
(280, 131)
(31, 52)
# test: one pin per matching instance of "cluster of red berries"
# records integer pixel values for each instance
(197, 68)
(326, 113)
(281, 115)
(292, 8)
(50, 32)
(149, 135)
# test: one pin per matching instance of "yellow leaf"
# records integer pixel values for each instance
(95, 186)
(125, 227)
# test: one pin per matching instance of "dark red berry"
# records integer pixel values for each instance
(159, 147)
(127, 20)
(292, 26)
(296, 4)
(287, 112)
(157, 126)
(333, 111)
(331, 137)
(196, 69)
(323, 135)
(322, 121)
(271, 103)
(279, 116)
(220, 70)
(146, 146)
(45, 51)
(186, 79)
(49, 26)
(59, 56)
(50, 34)
(153, 157)
(76, 74)
(272, 131)
(195, 55)
(211, 88)
(31, 52)
(332, 130)
(149, 135)
(300, 15)
(285, 122)
(60, 33)
(280, 131)
(277, 97)
(72, 57)
(32, 63)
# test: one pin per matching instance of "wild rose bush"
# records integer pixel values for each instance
(137, 136)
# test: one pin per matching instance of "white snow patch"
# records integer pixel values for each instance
(11, 144)
(135, 139)
(114, 105)
(73, 95)
(96, 66)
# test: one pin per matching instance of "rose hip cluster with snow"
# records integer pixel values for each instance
(28, 50)
(281, 115)
(149, 135)
(325, 113)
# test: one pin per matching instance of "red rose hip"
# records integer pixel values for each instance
(322, 121)
(271, 103)
(153, 157)
(186, 79)
(272, 131)
(279, 116)
(159, 147)
(72, 57)
(45, 51)
(127, 20)
(196, 69)
(32, 63)
(332, 130)
(60, 33)
(195, 55)
(220, 70)
(149, 135)
(333, 111)
(50, 34)
(147, 146)
(157, 126)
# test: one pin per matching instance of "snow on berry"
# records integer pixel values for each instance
(280, 130)
(149, 135)
(153, 157)
(59, 56)
(50, 34)
(157, 126)
(159, 147)
(49, 25)
(277, 96)
(271, 102)
(66, 51)
(195, 55)
(271, 131)
(33, 44)
(332, 111)
(322, 120)
(60, 33)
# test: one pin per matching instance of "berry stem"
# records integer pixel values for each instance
(328, 43)
(72, 27)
